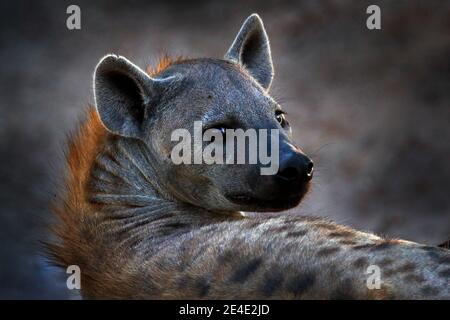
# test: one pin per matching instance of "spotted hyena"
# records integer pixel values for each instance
(140, 226)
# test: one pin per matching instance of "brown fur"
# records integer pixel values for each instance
(71, 205)
(164, 62)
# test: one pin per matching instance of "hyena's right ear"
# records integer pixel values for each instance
(123, 93)
(251, 49)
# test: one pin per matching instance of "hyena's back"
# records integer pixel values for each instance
(285, 257)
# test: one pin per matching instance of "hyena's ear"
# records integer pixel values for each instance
(123, 93)
(251, 49)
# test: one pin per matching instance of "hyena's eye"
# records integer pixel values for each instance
(280, 116)
(222, 129)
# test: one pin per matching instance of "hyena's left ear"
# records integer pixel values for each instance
(124, 93)
(251, 49)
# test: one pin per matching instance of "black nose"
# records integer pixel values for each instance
(295, 166)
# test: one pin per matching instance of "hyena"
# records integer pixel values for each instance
(139, 226)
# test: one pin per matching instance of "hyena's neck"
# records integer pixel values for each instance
(125, 178)
(123, 174)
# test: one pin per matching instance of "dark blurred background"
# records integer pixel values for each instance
(371, 107)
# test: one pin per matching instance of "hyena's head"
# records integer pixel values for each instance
(229, 93)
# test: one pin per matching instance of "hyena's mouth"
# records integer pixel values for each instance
(240, 198)
(277, 201)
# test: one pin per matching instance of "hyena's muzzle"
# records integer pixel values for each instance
(284, 189)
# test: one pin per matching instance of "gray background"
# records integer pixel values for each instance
(371, 107)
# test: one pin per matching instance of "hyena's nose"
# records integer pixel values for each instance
(295, 166)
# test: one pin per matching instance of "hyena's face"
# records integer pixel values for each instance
(185, 116)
